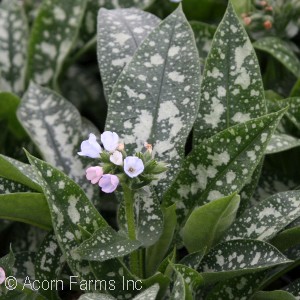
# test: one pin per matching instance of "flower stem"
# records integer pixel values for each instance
(129, 210)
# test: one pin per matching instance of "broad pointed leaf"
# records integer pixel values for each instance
(287, 239)
(117, 44)
(204, 34)
(268, 217)
(149, 217)
(48, 265)
(105, 244)
(281, 51)
(149, 294)
(208, 223)
(281, 142)
(157, 252)
(19, 172)
(27, 207)
(55, 126)
(53, 34)
(273, 295)
(159, 106)
(13, 46)
(293, 288)
(8, 186)
(231, 90)
(239, 257)
(221, 164)
(69, 207)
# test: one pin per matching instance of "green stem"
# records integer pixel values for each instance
(129, 210)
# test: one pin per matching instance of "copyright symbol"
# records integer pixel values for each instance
(11, 283)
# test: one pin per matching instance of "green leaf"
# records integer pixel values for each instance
(160, 106)
(157, 252)
(293, 288)
(96, 296)
(149, 217)
(287, 239)
(204, 34)
(221, 164)
(88, 28)
(19, 172)
(48, 264)
(179, 290)
(207, 224)
(268, 217)
(52, 36)
(242, 287)
(7, 263)
(193, 260)
(281, 142)
(105, 244)
(192, 278)
(273, 295)
(69, 207)
(28, 207)
(249, 189)
(55, 127)
(231, 89)
(118, 43)
(13, 46)
(149, 294)
(239, 257)
(8, 186)
(8, 107)
(281, 51)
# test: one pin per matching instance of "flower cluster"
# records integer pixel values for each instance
(116, 166)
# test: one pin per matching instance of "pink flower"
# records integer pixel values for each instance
(2, 276)
(108, 183)
(94, 174)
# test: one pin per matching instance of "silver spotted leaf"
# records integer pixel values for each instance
(281, 51)
(28, 207)
(159, 106)
(241, 287)
(204, 34)
(69, 207)
(120, 33)
(221, 164)
(238, 257)
(149, 217)
(281, 142)
(48, 264)
(96, 296)
(180, 289)
(17, 171)
(53, 34)
(270, 183)
(13, 46)
(264, 220)
(105, 244)
(89, 27)
(231, 89)
(293, 288)
(8, 186)
(149, 294)
(55, 126)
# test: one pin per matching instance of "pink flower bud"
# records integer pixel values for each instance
(94, 174)
(108, 183)
(2, 275)
(121, 147)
